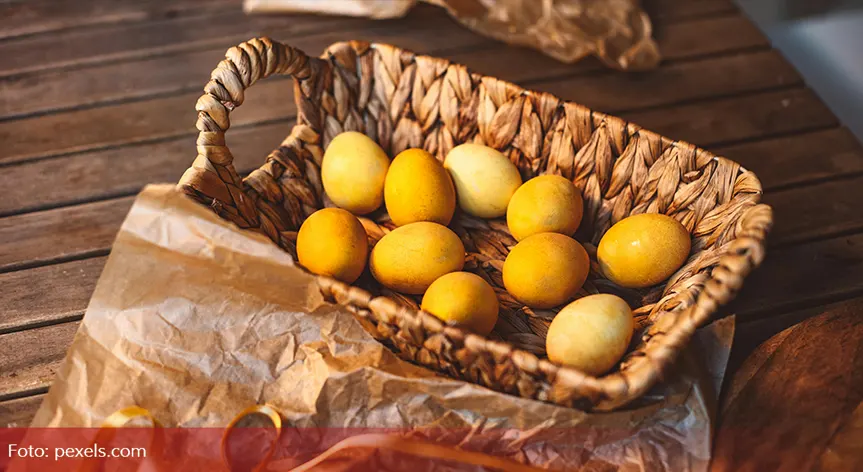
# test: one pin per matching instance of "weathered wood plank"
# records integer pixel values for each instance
(727, 120)
(176, 73)
(687, 8)
(92, 45)
(57, 90)
(79, 47)
(18, 413)
(674, 83)
(35, 238)
(804, 392)
(803, 275)
(133, 122)
(47, 294)
(124, 171)
(793, 160)
(34, 17)
(29, 359)
(814, 211)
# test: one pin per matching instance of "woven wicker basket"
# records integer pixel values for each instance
(403, 100)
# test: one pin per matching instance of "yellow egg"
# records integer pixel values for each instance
(590, 334)
(411, 257)
(544, 204)
(643, 250)
(545, 270)
(333, 242)
(353, 172)
(484, 179)
(463, 299)
(418, 188)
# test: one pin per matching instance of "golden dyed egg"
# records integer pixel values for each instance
(353, 172)
(333, 242)
(590, 334)
(484, 179)
(463, 299)
(544, 204)
(418, 188)
(409, 258)
(643, 250)
(545, 270)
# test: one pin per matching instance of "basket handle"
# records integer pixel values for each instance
(212, 178)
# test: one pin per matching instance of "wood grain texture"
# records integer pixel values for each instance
(679, 82)
(688, 9)
(802, 394)
(124, 171)
(29, 359)
(800, 217)
(793, 160)
(115, 42)
(132, 123)
(35, 17)
(803, 275)
(174, 73)
(127, 41)
(32, 238)
(18, 413)
(724, 121)
(47, 294)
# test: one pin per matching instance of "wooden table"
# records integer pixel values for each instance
(97, 100)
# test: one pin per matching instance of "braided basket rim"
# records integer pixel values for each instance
(602, 393)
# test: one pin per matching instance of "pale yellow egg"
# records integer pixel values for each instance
(463, 299)
(590, 334)
(409, 258)
(353, 172)
(643, 250)
(544, 204)
(545, 270)
(484, 179)
(333, 242)
(418, 188)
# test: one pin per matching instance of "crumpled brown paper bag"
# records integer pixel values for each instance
(618, 32)
(195, 320)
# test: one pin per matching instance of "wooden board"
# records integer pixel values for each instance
(432, 34)
(798, 399)
(69, 285)
(35, 17)
(29, 359)
(18, 413)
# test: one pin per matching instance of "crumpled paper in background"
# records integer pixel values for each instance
(618, 32)
(195, 320)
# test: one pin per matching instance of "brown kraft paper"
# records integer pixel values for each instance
(617, 32)
(195, 320)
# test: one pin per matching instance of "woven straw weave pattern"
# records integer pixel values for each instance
(402, 100)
